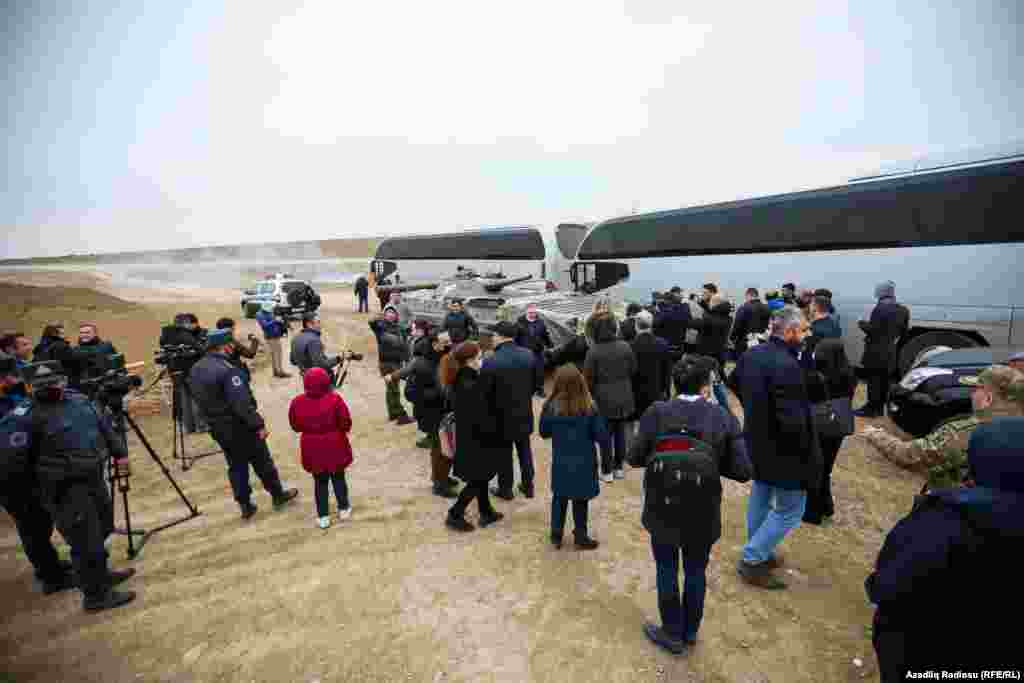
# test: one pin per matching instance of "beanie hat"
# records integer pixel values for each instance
(994, 454)
(885, 290)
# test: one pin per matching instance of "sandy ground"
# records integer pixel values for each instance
(392, 595)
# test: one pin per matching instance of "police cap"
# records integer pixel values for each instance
(219, 338)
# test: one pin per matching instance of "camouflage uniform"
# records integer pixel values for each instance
(941, 452)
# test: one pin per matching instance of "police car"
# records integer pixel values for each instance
(931, 392)
(273, 289)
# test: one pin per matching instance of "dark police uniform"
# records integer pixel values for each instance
(70, 446)
(20, 496)
(223, 393)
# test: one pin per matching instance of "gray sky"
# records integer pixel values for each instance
(159, 125)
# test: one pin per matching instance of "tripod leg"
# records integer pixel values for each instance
(128, 524)
(156, 458)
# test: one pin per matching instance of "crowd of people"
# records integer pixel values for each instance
(647, 391)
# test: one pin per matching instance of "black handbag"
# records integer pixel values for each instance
(833, 417)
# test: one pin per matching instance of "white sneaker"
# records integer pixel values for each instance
(344, 514)
(324, 522)
(607, 478)
(619, 474)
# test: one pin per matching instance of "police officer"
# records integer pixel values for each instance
(223, 393)
(69, 447)
(19, 492)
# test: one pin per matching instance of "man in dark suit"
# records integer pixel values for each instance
(751, 318)
(653, 365)
(507, 385)
(782, 442)
(672, 320)
(889, 322)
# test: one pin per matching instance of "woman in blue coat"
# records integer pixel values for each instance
(571, 420)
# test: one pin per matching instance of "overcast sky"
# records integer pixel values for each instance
(138, 125)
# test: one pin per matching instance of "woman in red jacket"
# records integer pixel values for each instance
(322, 418)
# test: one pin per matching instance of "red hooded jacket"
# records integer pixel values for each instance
(322, 418)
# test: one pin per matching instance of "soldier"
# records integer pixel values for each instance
(998, 391)
(1017, 361)
(223, 393)
(19, 493)
(69, 447)
(392, 354)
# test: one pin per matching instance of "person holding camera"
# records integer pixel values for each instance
(308, 350)
(273, 330)
(19, 493)
(222, 391)
(70, 447)
(240, 351)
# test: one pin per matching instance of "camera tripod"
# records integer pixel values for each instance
(180, 393)
(121, 421)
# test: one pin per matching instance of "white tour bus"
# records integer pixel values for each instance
(952, 240)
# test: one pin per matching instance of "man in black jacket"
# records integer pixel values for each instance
(507, 384)
(533, 336)
(751, 318)
(688, 528)
(672, 320)
(222, 390)
(889, 322)
(87, 359)
(392, 353)
(714, 328)
(782, 442)
(653, 376)
(459, 325)
(308, 350)
(627, 330)
(362, 291)
(944, 567)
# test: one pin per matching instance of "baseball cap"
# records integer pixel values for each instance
(219, 337)
(1007, 382)
(505, 328)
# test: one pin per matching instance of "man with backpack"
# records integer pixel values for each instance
(685, 444)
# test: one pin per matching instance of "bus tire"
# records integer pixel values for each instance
(928, 340)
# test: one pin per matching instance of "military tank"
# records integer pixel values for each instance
(492, 296)
(564, 290)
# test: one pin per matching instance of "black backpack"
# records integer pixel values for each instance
(681, 480)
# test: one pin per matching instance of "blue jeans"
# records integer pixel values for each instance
(681, 619)
(771, 514)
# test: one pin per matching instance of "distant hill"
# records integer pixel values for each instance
(355, 248)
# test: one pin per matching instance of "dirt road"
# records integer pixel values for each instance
(392, 595)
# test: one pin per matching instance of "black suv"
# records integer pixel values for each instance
(931, 392)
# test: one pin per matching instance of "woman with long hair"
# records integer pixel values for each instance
(832, 377)
(571, 420)
(477, 453)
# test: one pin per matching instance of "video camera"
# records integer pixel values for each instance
(180, 347)
(110, 382)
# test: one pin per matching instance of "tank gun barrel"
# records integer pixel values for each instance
(392, 289)
(495, 286)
